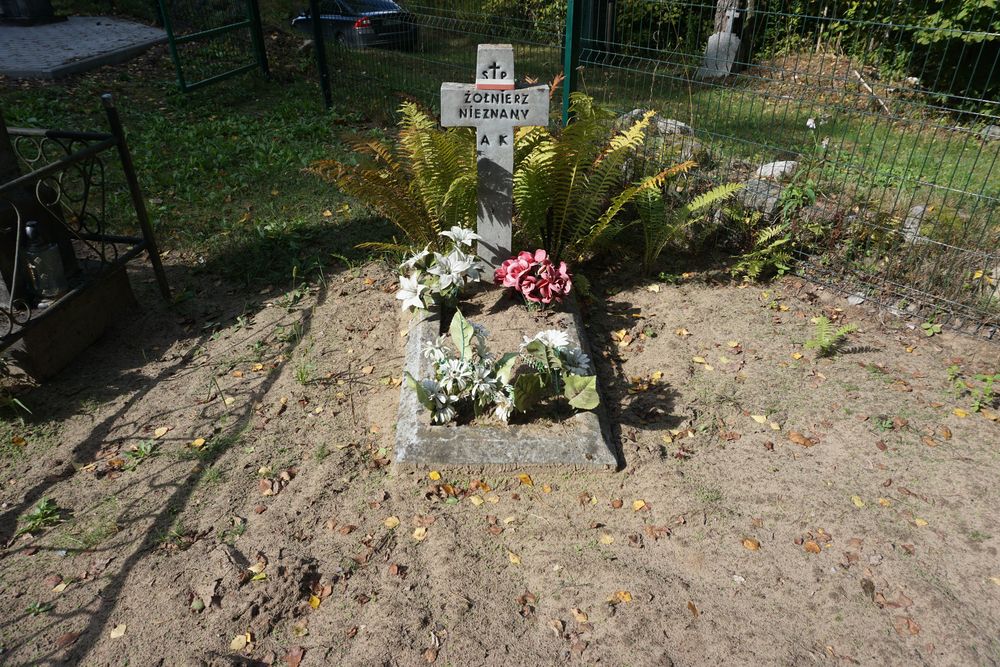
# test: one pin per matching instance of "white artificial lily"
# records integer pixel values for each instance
(450, 269)
(409, 292)
(416, 259)
(461, 236)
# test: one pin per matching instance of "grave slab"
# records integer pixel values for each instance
(580, 440)
(76, 45)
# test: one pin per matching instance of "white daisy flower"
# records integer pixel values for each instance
(409, 292)
(811, 123)
(503, 406)
(552, 338)
(576, 361)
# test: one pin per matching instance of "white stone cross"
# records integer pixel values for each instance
(494, 105)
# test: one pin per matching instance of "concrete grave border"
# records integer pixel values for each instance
(581, 440)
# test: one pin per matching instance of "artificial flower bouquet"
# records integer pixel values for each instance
(535, 277)
(430, 278)
(467, 377)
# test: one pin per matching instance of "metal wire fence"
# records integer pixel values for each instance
(888, 108)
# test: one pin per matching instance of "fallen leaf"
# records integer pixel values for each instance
(294, 656)
(327, 213)
(858, 502)
(513, 558)
(929, 441)
(682, 332)
(775, 426)
(693, 609)
(995, 580)
(314, 601)
(579, 615)
(623, 596)
(800, 439)
(525, 479)
(638, 505)
(60, 587)
(607, 538)
(419, 533)
(67, 639)
(751, 544)
(944, 432)
(546, 488)
(241, 642)
(884, 502)
(391, 522)
(959, 412)
(434, 475)
(118, 631)
(989, 414)
(652, 288)
(812, 547)
(796, 355)
(161, 431)
(920, 522)
(198, 443)
(699, 360)
(905, 626)
(430, 655)
(760, 419)
(617, 503)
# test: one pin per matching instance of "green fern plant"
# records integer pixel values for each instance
(428, 183)
(664, 223)
(769, 253)
(568, 188)
(826, 341)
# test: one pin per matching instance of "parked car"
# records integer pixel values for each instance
(361, 23)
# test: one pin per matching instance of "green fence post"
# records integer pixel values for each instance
(571, 52)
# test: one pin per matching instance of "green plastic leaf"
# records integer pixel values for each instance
(422, 396)
(529, 388)
(461, 334)
(504, 367)
(581, 391)
(542, 356)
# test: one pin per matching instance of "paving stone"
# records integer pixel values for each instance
(76, 45)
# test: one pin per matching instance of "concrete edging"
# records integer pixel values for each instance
(581, 440)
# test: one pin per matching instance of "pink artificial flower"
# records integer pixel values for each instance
(535, 277)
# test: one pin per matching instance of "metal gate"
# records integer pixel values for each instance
(211, 40)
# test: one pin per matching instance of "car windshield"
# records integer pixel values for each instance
(365, 6)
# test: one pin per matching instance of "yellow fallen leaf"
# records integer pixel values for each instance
(656, 376)
(884, 502)
(419, 533)
(959, 412)
(258, 367)
(314, 601)
(161, 431)
(709, 367)
(493, 498)
(327, 213)
(391, 522)
(434, 475)
(775, 426)
(513, 558)
(812, 547)
(682, 332)
(724, 360)
(995, 580)
(546, 488)
(118, 631)
(60, 587)
(652, 288)
(751, 544)
(699, 360)
(509, 520)
(526, 479)
(638, 505)
(607, 538)
(858, 502)
(229, 400)
(911, 348)
(624, 596)
(760, 419)
(476, 500)
(241, 642)
(920, 522)
(257, 567)
(579, 615)
(368, 370)
(989, 414)
(666, 439)
(733, 343)
(796, 355)
(198, 443)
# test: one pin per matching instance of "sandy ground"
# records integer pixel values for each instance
(772, 508)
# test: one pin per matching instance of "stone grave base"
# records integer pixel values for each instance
(580, 440)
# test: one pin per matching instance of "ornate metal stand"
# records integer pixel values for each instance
(66, 189)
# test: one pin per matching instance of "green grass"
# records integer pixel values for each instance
(221, 168)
